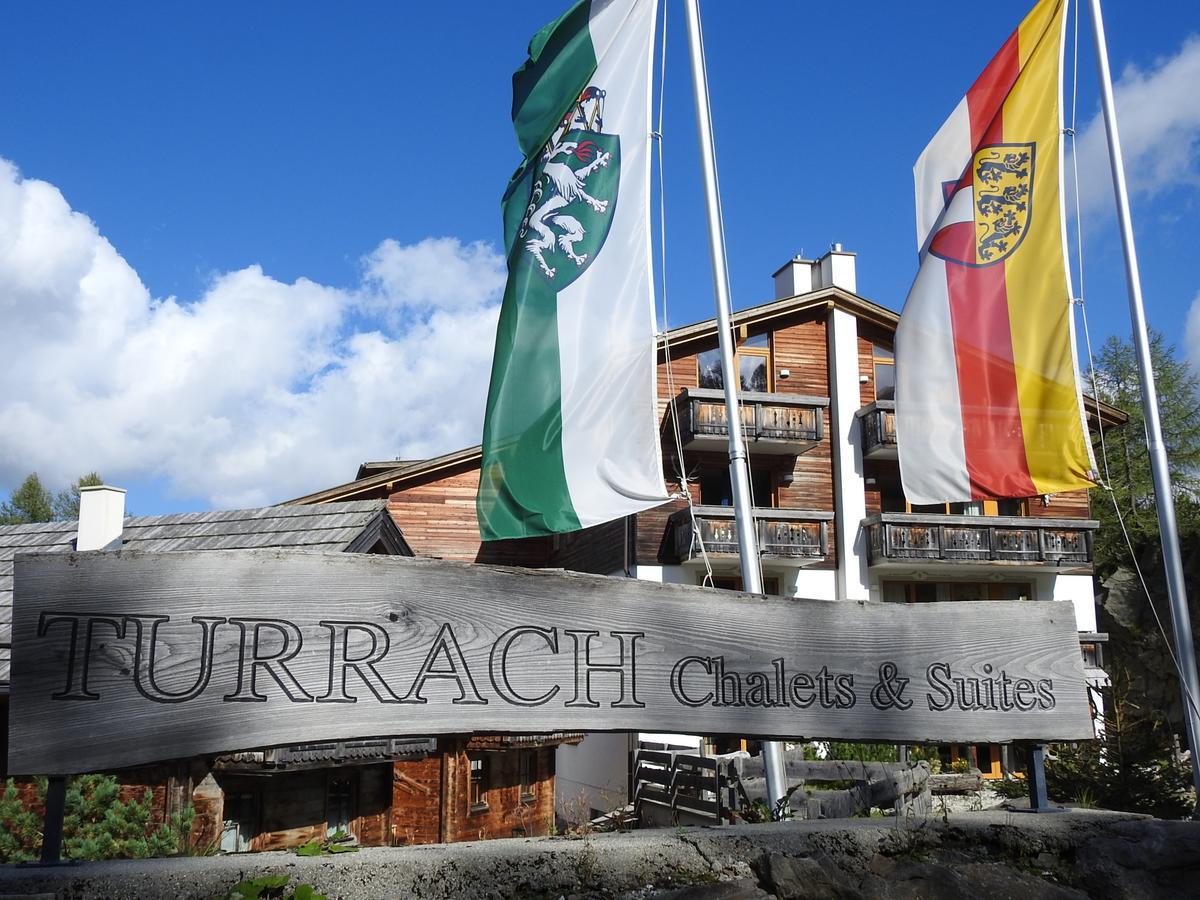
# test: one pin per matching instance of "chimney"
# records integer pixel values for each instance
(836, 269)
(795, 277)
(101, 518)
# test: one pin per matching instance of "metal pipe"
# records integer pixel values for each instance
(739, 475)
(1169, 534)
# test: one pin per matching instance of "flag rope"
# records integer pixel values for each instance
(1081, 303)
(657, 136)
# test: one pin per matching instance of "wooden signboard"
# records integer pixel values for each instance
(126, 658)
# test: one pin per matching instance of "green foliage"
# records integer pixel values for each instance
(1010, 788)
(1119, 384)
(66, 502)
(97, 824)
(960, 766)
(271, 887)
(929, 754)
(338, 842)
(33, 502)
(20, 827)
(863, 752)
(30, 502)
(1133, 767)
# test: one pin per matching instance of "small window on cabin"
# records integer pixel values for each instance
(883, 361)
(339, 806)
(528, 776)
(477, 797)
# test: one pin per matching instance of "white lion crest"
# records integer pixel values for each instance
(559, 185)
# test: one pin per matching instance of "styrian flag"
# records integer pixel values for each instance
(987, 397)
(570, 437)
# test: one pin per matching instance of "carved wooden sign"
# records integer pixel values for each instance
(125, 658)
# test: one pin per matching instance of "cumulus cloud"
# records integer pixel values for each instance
(1158, 111)
(253, 392)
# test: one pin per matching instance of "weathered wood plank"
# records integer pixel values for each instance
(124, 658)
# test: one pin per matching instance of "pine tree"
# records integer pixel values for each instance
(1119, 384)
(30, 502)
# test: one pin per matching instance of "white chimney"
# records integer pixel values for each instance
(101, 518)
(794, 278)
(836, 269)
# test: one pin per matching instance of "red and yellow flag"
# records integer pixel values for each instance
(987, 396)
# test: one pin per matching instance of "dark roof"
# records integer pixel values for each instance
(353, 527)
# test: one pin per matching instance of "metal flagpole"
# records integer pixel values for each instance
(1172, 561)
(738, 467)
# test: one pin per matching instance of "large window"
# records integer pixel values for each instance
(753, 361)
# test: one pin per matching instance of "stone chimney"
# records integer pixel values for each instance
(101, 518)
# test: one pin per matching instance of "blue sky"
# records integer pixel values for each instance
(244, 247)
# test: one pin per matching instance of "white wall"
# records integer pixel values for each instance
(849, 487)
(1079, 590)
(593, 774)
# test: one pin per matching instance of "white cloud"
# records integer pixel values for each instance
(255, 391)
(1158, 112)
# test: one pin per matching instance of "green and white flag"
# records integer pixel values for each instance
(570, 437)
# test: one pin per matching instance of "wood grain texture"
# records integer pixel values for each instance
(356, 646)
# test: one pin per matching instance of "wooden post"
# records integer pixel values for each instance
(1035, 775)
(52, 829)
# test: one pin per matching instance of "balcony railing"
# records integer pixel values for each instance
(878, 423)
(783, 534)
(774, 423)
(900, 537)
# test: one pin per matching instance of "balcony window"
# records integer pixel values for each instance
(930, 591)
(883, 360)
(973, 508)
(716, 489)
(752, 360)
(734, 583)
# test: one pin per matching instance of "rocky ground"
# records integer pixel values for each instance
(991, 853)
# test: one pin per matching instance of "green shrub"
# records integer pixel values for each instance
(97, 824)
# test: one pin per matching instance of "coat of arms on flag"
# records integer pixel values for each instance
(997, 195)
(987, 396)
(575, 187)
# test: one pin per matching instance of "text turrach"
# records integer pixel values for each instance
(125, 658)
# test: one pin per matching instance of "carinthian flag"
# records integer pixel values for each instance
(569, 436)
(987, 398)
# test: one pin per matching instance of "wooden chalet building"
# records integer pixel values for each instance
(816, 367)
(384, 791)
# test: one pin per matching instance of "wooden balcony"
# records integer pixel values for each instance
(899, 539)
(878, 423)
(796, 535)
(785, 424)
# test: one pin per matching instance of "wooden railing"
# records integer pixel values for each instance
(896, 537)
(878, 423)
(782, 533)
(777, 422)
